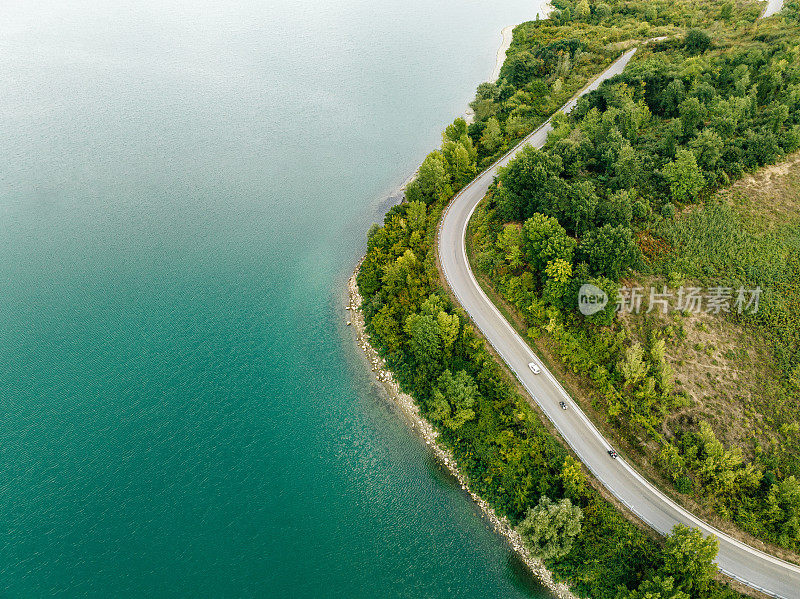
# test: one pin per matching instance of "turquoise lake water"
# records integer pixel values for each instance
(185, 188)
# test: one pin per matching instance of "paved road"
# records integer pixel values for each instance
(755, 568)
(773, 7)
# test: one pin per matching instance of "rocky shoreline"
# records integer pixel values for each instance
(429, 434)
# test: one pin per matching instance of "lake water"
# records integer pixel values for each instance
(184, 189)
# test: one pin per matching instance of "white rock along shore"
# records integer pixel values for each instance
(429, 434)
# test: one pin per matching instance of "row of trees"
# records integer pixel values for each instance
(549, 60)
(446, 170)
(545, 65)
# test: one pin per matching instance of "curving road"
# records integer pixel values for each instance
(742, 562)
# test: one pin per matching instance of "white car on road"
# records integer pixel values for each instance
(534, 368)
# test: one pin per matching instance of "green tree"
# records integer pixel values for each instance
(558, 275)
(417, 216)
(545, 240)
(492, 137)
(549, 529)
(582, 10)
(672, 96)
(606, 316)
(385, 330)
(691, 112)
(578, 205)
(671, 462)
(722, 471)
(663, 371)
(461, 166)
(658, 587)
(697, 41)
(520, 67)
(486, 103)
(403, 281)
(633, 368)
(449, 326)
(609, 251)
(432, 333)
(707, 148)
(455, 131)
(453, 399)
(783, 510)
(689, 559)
(573, 478)
(472, 151)
(684, 176)
(602, 11)
(627, 166)
(640, 209)
(517, 125)
(424, 340)
(509, 243)
(616, 209)
(529, 182)
(433, 180)
(741, 79)
(558, 270)
(794, 378)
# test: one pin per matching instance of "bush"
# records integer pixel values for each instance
(697, 41)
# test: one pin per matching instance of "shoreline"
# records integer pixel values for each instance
(428, 433)
(508, 35)
(500, 58)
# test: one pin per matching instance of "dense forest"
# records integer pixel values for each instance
(498, 440)
(609, 198)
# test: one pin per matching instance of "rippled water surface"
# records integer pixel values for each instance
(183, 191)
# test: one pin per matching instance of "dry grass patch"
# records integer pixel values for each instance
(769, 199)
(725, 370)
